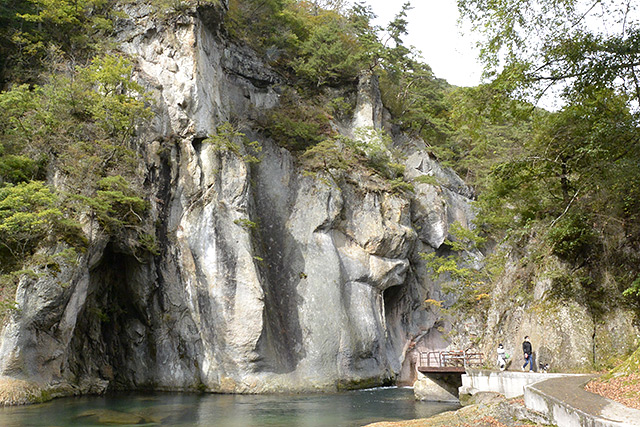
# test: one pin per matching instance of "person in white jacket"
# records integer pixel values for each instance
(502, 357)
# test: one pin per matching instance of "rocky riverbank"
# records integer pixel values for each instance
(486, 410)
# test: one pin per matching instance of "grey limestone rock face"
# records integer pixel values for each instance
(564, 334)
(267, 280)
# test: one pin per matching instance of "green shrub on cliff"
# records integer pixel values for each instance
(298, 122)
(634, 289)
(39, 33)
(115, 204)
(228, 138)
(29, 214)
(31, 217)
(78, 126)
(468, 283)
(368, 154)
(333, 154)
(572, 237)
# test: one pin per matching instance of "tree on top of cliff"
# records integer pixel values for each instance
(330, 54)
(575, 183)
(539, 43)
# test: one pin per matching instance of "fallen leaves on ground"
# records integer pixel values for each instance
(623, 389)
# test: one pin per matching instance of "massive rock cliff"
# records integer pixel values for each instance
(267, 279)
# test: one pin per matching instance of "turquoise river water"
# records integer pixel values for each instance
(353, 408)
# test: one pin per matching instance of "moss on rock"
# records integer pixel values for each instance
(20, 392)
(629, 366)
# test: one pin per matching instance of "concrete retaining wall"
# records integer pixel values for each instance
(510, 384)
(561, 398)
(437, 387)
(567, 404)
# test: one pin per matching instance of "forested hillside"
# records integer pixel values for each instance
(574, 181)
(567, 197)
(557, 192)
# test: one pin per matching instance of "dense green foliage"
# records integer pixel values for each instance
(317, 45)
(28, 214)
(572, 184)
(36, 33)
(566, 182)
(330, 54)
(78, 126)
(298, 122)
(488, 127)
(585, 44)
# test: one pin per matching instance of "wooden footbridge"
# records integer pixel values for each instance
(454, 361)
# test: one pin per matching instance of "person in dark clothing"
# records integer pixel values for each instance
(526, 349)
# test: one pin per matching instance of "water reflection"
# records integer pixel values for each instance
(347, 409)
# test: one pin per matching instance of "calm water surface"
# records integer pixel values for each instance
(354, 408)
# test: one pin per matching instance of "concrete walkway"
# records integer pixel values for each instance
(568, 404)
(508, 383)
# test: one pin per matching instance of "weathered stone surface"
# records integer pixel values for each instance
(267, 280)
(563, 332)
(492, 410)
(420, 163)
(368, 112)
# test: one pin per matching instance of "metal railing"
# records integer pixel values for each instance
(450, 359)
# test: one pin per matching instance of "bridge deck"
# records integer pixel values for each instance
(442, 369)
(448, 361)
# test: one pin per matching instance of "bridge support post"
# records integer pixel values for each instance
(437, 387)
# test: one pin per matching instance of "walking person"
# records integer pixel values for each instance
(502, 357)
(528, 359)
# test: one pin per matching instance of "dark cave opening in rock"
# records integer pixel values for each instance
(196, 143)
(392, 297)
(111, 341)
(392, 316)
(397, 308)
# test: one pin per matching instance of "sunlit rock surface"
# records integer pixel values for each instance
(266, 280)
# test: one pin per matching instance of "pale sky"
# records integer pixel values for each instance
(433, 30)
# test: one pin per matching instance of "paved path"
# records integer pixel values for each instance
(571, 392)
